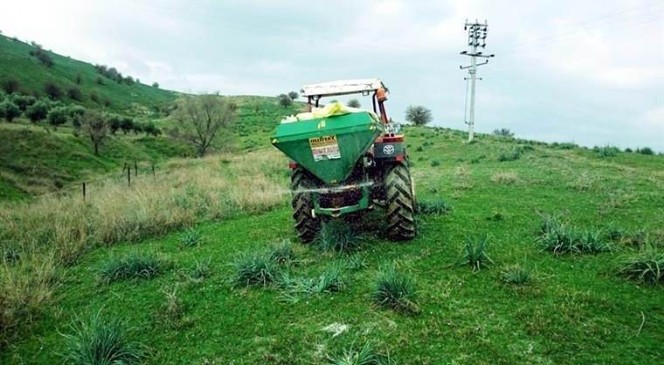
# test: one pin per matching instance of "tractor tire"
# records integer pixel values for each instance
(400, 203)
(306, 225)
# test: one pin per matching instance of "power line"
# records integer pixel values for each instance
(477, 34)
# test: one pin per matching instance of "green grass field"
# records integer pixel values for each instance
(574, 309)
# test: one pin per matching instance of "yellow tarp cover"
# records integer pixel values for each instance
(329, 110)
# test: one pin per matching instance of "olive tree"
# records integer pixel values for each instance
(95, 125)
(202, 118)
(418, 115)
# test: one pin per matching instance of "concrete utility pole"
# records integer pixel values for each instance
(476, 38)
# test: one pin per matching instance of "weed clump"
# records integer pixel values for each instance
(474, 253)
(338, 236)
(560, 238)
(511, 155)
(100, 341)
(433, 207)
(646, 266)
(255, 269)
(282, 253)
(329, 281)
(435, 163)
(201, 270)
(516, 275)
(190, 238)
(395, 290)
(132, 266)
(362, 355)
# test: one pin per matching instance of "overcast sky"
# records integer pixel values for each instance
(590, 72)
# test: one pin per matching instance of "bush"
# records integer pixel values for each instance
(11, 85)
(37, 111)
(337, 236)
(52, 90)
(94, 96)
(512, 155)
(354, 103)
(127, 125)
(395, 290)
(645, 151)
(474, 253)
(100, 341)
(503, 132)
(293, 95)
(42, 57)
(606, 151)
(114, 123)
(22, 101)
(435, 163)
(418, 115)
(75, 93)
(150, 129)
(155, 85)
(58, 116)
(132, 266)
(9, 111)
(433, 207)
(647, 266)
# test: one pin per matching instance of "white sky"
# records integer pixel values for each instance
(591, 72)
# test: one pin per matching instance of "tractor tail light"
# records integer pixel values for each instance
(292, 165)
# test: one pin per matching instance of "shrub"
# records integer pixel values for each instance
(503, 132)
(94, 96)
(395, 290)
(58, 116)
(606, 151)
(42, 56)
(418, 115)
(364, 355)
(79, 79)
(9, 111)
(127, 125)
(516, 275)
(511, 155)
(132, 266)
(254, 269)
(190, 238)
(155, 85)
(474, 253)
(114, 123)
(52, 90)
(293, 95)
(11, 85)
(628, 150)
(437, 206)
(75, 93)
(337, 236)
(37, 111)
(645, 151)
(354, 103)
(435, 163)
(100, 341)
(647, 266)
(419, 149)
(22, 101)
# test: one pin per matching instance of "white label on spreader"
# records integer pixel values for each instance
(325, 148)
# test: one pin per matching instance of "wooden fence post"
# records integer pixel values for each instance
(129, 177)
(83, 191)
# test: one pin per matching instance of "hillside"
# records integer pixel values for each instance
(32, 76)
(199, 220)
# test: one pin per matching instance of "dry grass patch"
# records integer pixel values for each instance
(505, 177)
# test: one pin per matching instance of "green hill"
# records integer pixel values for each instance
(31, 76)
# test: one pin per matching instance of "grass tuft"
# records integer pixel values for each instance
(190, 238)
(100, 341)
(282, 253)
(516, 275)
(338, 236)
(133, 266)
(201, 270)
(474, 253)
(647, 266)
(433, 207)
(254, 269)
(363, 355)
(560, 238)
(395, 290)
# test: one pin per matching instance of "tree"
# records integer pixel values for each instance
(155, 84)
(79, 79)
(418, 115)
(127, 125)
(95, 126)
(202, 118)
(58, 116)
(293, 95)
(52, 90)
(285, 100)
(114, 123)
(353, 103)
(9, 110)
(11, 85)
(37, 111)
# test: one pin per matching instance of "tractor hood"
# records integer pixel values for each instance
(328, 146)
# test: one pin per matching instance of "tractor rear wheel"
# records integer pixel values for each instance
(400, 201)
(306, 224)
